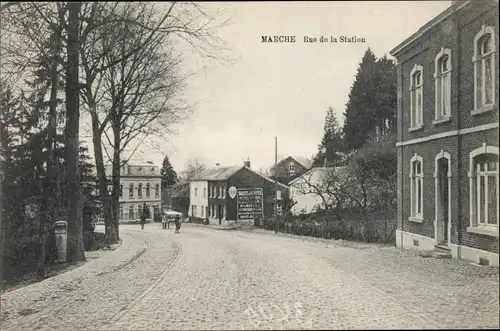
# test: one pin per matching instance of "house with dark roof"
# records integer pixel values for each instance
(290, 168)
(236, 193)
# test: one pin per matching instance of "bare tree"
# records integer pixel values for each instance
(328, 184)
(195, 165)
(130, 76)
(141, 93)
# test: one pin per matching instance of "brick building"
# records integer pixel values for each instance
(447, 129)
(217, 194)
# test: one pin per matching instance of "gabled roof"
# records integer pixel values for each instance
(268, 179)
(303, 161)
(319, 171)
(224, 173)
(299, 159)
(217, 173)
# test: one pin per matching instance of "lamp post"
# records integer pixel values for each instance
(110, 213)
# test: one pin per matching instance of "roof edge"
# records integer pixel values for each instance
(426, 27)
(307, 172)
(266, 178)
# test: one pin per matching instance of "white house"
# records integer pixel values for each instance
(198, 198)
(139, 184)
(309, 188)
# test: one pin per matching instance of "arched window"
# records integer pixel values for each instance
(131, 190)
(483, 192)
(416, 97)
(148, 190)
(157, 190)
(442, 79)
(416, 186)
(139, 191)
(484, 69)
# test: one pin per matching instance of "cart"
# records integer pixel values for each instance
(168, 217)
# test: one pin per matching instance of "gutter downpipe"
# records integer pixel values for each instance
(400, 172)
(459, 137)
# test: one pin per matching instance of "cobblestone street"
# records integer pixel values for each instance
(210, 279)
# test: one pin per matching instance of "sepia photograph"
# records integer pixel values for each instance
(267, 165)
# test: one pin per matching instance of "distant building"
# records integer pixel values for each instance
(448, 171)
(225, 194)
(309, 190)
(139, 184)
(290, 168)
(180, 197)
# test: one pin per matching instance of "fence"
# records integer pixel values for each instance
(372, 230)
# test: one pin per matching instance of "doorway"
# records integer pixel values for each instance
(442, 202)
(220, 214)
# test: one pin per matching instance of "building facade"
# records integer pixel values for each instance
(447, 130)
(139, 184)
(290, 168)
(216, 194)
(309, 190)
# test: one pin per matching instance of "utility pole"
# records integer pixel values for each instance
(275, 185)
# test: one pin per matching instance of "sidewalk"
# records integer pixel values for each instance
(217, 227)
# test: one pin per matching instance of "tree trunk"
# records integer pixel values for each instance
(116, 184)
(48, 190)
(40, 270)
(102, 181)
(75, 248)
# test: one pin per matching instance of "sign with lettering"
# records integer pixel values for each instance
(250, 203)
(232, 192)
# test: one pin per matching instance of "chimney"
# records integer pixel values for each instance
(247, 163)
(217, 164)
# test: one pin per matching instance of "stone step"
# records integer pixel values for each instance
(442, 248)
(441, 255)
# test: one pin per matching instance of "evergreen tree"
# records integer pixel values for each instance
(168, 174)
(386, 96)
(329, 151)
(361, 103)
(371, 108)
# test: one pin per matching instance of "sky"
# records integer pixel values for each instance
(280, 90)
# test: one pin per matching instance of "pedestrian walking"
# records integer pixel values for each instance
(144, 214)
(177, 224)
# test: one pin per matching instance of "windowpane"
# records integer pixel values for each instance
(479, 84)
(419, 105)
(446, 96)
(492, 200)
(488, 87)
(486, 44)
(439, 90)
(444, 64)
(413, 108)
(419, 196)
(416, 80)
(482, 205)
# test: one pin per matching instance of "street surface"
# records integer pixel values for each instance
(204, 278)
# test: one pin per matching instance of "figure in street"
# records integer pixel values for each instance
(177, 224)
(143, 216)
